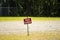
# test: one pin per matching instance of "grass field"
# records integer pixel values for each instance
(47, 35)
(33, 18)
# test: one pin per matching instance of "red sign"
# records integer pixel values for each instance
(27, 21)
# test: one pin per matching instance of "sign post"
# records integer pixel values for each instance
(27, 30)
(27, 21)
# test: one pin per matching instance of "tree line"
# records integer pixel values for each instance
(47, 8)
(38, 8)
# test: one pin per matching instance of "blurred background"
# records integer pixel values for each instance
(33, 8)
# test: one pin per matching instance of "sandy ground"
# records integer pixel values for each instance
(38, 30)
(20, 27)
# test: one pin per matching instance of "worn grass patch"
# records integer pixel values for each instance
(32, 36)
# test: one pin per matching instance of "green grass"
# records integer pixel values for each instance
(33, 18)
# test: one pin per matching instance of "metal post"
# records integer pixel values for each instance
(27, 30)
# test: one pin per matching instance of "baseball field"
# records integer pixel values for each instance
(41, 28)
